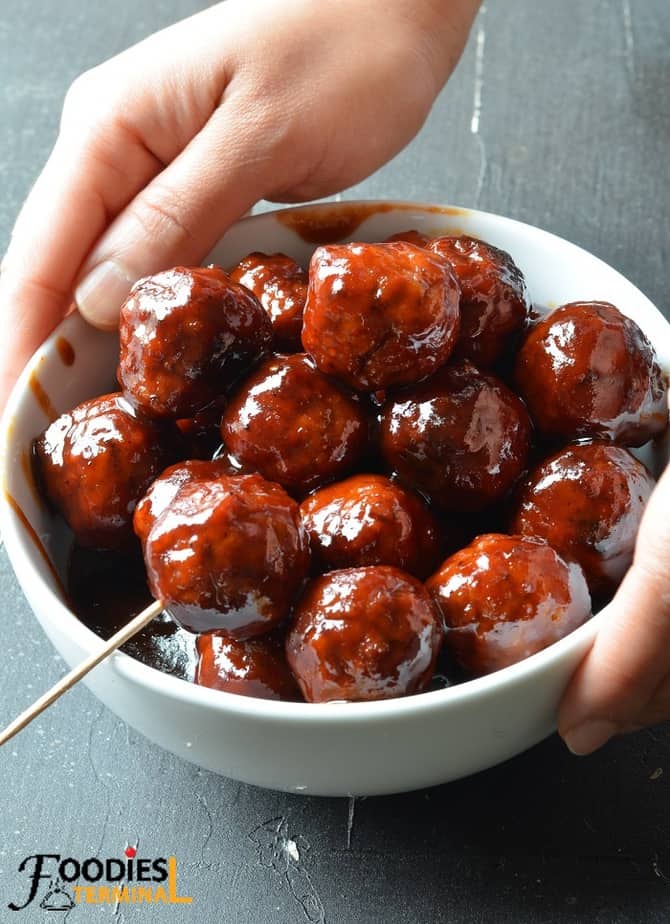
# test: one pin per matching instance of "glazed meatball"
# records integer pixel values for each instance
(96, 462)
(228, 554)
(587, 502)
(412, 236)
(280, 285)
(587, 370)
(369, 520)
(294, 425)
(461, 438)
(494, 302)
(186, 336)
(254, 667)
(504, 598)
(363, 634)
(379, 315)
(165, 488)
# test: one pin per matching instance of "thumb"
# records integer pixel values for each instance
(615, 687)
(178, 216)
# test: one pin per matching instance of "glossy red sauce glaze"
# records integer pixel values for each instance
(462, 438)
(37, 543)
(254, 667)
(65, 351)
(186, 336)
(379, 315)
(41, 396)
(494, 301)
(363, 634)
(322, 224)
(229, 554)
(107, 588)
(280, 285)
(96, 462)
(586, 370)
(587, 502)
(411, 236)
(294, 425)
(504, 598)
(369, 520)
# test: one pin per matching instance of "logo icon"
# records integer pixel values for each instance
(56, 898)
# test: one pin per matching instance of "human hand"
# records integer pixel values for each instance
(623, 683)
(165, 145)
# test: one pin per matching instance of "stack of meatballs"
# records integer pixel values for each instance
(335, 474)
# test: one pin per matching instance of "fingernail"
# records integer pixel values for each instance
(100, 295)
(589, 736)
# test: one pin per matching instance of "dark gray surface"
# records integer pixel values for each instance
(573, 136)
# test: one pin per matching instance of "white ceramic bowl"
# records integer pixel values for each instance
(337, 749)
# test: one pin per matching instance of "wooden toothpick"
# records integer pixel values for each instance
(63, 685)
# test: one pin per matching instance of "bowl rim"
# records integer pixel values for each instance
(178, 689)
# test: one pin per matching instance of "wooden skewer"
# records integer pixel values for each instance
(63, 685)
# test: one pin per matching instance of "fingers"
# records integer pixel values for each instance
(67, 209)
(181, 214)
(624, 681)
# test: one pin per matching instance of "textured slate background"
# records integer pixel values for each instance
(573, 135)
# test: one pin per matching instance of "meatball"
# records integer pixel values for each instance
(505, 597)
(165, 488)
(379, 315)
(411, 236)
(587, 370)
(363, 634)
(96, 462)
(280, 285)
(587, 502)
(254, 667)
(369, 520)
(294, 425)
(494, 302)
(461, 438)
(186, 336)
(228, 554)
